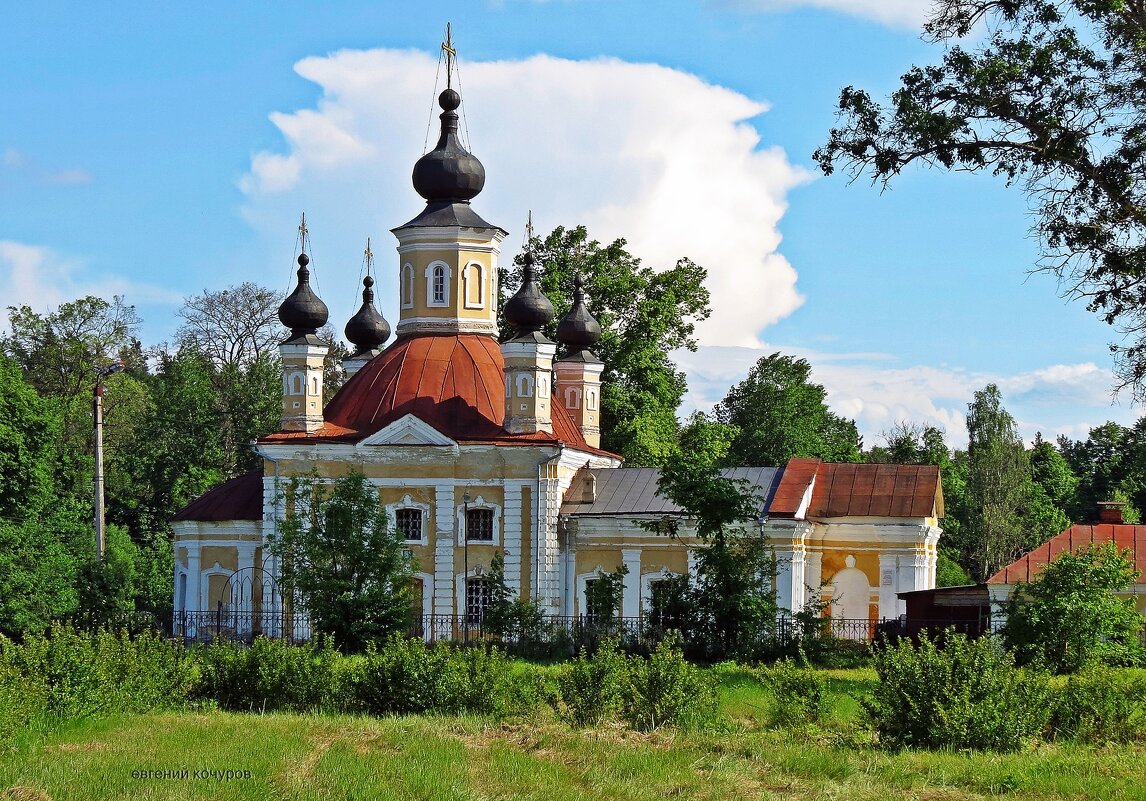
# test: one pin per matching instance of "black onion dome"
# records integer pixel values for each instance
(528, 310)
(367, 330)
(303, 312)
(449, 172)
(578, 330)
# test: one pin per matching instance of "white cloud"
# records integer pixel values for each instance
(40, 277)
(72, 177)
(876, 393)
(639, 151)
(900, 13)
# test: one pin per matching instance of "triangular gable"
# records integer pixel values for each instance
(407, 430)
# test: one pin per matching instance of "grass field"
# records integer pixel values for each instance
(343, 757)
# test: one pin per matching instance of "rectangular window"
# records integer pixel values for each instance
(409, 523)
(477, 600)
(439, 285)
(479, 525)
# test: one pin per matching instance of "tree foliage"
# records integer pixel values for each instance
(1006, 513)
(1069, 617)
(236, 325)
(730, 602)
(1048, 94)
(342, 561)
(780, 414)
(644, 314)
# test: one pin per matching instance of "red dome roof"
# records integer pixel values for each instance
(454, 383)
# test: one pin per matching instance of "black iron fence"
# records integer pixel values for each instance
(243, 626)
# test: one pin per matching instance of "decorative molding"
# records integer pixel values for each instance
(445, 325)
(409, 503)
(407, 430)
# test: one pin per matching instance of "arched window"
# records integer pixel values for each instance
(542, 386)
(314, 385)
(296, 384)
(407, 286)
(474, 286)
(572, 398)
(524, 385)
(591, 399)
(437, 284)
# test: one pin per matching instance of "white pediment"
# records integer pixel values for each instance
(407, 430)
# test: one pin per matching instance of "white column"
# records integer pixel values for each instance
(445, 540)
(888, 582)
(631, 600)
(693, 576)
(569, 589)
(511, 536)
(194, 601)
(790, 575)
(813, 575)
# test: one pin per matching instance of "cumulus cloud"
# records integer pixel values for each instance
(639, 151)
(877, 393)
(899, 13)
(40, 277)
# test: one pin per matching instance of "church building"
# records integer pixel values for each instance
(478, 446)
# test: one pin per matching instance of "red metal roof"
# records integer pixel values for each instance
(858, 490)
(455, 383)
(238, 499)
(1075, 539)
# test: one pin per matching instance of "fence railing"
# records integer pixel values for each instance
(225, 624)
(559, 632)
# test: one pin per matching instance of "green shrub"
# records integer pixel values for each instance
(405, 677)
(87, 675)
(665, 690)
(1100, 706)
(23, 699)
(271, 675)
(966, 694)
(1069, 617)
(800, 694)
(591, 687)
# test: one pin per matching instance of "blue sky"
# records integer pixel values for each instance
(159, 149)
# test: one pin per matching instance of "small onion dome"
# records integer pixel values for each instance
(449, 172)
(367, 330)
(303, 312)
(528, 311)
(578, 330)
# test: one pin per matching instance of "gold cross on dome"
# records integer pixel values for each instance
(451, 54)
(369, 255)
(303, 233)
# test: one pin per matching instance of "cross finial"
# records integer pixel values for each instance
(451, 54)
(369, 255)
(303, 233)
(529, 229)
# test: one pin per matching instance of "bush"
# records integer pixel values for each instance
(271, 675)
(665, 690)
(965, 694)
(22, 701)
(1068, 618)
(70, 675)
(591, 687)
(1101, 707)
(800, 694)
(405, 676)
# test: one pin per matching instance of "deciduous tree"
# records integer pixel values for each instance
(644, 314)
(780, 414)
(1069, 617)
(342, 561)
(1051, 95)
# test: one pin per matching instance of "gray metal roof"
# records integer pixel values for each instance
(633, 490)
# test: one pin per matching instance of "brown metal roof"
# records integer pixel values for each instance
(859, 490)
(238, 499)
(455, 383)
(1026, 568)
(633, 490)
